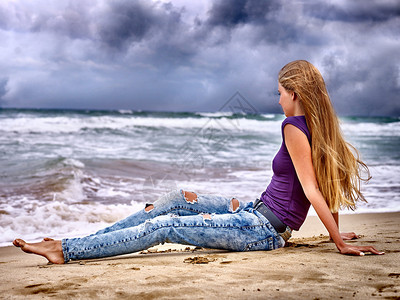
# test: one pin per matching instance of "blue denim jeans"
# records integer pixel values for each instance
(208, 221)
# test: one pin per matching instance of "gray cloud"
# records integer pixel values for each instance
(72, 22)
(364, 87)
(128, 21)
(233, 13)
(3, 18)
(261, 15)
(164, 56)
(3, 90)
(355, 11)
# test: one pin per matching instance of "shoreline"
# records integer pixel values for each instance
(310, 267)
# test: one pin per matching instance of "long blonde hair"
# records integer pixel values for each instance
(337, 165)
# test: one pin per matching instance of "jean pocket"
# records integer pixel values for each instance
(265, 244)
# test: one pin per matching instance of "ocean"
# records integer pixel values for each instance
(66, 173)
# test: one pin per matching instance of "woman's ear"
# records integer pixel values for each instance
(294, 96)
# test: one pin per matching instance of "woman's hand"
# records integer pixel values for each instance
(358, 250)
(346, 236)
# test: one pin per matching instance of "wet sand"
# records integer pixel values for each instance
(309, 268)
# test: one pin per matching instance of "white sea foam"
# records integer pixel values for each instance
(74, 163)
(112, 192)
(269, 116)
(72, 192)
(61, 124)
(216, 114)
(60, 220)
(371, 129)
(125, 111)
(76, 124)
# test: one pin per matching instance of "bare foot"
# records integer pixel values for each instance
(48, 248)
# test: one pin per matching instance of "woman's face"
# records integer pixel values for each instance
(286, 101)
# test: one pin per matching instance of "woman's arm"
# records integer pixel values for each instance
(345, 235)
(300, 153)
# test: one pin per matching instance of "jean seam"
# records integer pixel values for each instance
(65, 250)
(269, 240)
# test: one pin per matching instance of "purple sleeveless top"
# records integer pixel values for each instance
(284, 195)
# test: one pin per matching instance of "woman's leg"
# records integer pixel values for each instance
(243, 231)
(181, 203)
(178, 203)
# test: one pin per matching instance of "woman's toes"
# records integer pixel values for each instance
(48, 239)
(19, 243)
(23, 245)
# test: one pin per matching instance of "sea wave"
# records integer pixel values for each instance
(76, 124)
(371, 129)
(58, 219)
(69, 173)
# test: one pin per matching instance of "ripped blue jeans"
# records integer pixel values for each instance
(207, 221)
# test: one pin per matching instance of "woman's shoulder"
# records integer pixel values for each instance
(299, 122)
(295, 119)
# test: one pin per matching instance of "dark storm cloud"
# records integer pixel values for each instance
(259, 14)
(369, 89)
(154, 55)
(233, 13)
(158, 26)
(128, 21)
(355, 11)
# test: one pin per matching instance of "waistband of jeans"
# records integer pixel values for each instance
(284, 231)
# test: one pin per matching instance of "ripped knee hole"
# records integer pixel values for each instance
(234, 205)
(149, 207)
(190, 197)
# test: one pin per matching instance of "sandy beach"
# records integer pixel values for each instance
(310, 267)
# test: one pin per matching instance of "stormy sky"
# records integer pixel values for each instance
(187, 55)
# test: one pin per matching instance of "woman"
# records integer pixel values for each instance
(313, 166)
